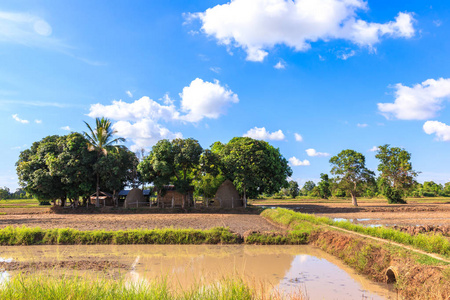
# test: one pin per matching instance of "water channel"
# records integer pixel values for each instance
(285, 268)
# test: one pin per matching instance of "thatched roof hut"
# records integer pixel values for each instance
(227, 196)
(135, 198)
(105, 199)
(169, 197)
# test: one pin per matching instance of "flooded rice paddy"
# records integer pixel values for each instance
(284, 268)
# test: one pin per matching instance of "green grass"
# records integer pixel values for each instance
(81, 288)
(67, 236)
(19, 201)
(432, 243)
(294, 237)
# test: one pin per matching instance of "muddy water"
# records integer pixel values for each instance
(286, 268)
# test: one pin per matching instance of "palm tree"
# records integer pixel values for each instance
(101, 140)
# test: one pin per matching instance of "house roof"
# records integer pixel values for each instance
(125, 192)
(102, 194)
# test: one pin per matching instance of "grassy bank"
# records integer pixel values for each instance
(67, 236)
(429, 243)
(420, 276)
(81, 288)
(17, 236)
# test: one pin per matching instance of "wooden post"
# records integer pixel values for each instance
(173, 202)
(232, 202)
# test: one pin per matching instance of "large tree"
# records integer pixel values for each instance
(57, 167)
(101, 140)
(396, 172)
(351, 173)
(324, 186)
(254, 166)
(308, 187)
(293, 188)
(117, 169)
(174, 162)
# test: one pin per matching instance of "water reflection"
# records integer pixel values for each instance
(285, 268)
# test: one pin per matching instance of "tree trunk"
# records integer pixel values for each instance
(245, 198)
(97, 201)
(354, 199)
(184, 201)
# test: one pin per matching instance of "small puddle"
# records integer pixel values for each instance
(284, 268)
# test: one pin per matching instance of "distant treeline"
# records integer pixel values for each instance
(5, 194)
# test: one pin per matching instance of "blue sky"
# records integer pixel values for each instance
(342, 74)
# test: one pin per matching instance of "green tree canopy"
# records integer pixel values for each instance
(351, 173)
(396, 173)
(57, 167)
(308, 187)
(324, 186)
(174, 162)
(293, 188)
(254, 166)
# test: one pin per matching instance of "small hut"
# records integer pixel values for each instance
(135, 198)
(169, 197)
(227, 196)
(105, 199)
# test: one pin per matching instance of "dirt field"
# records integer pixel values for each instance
(377, 213)
(367, 213)
(239, 223)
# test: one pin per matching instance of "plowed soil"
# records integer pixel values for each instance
(379, 213)
(239, 223)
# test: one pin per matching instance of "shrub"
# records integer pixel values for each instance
(393, 195)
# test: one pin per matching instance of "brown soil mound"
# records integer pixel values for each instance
(413, 230)
(75, 265)
(228, 195)
(134, 197)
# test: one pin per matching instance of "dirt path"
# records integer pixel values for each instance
(435, 256)
(239, 223)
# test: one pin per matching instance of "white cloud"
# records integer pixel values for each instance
(441, 130)
(16, 117)
(135, 111)
(140, 121)
(19, 147)
(215, 69)
(420, 102)
(36, 103)
(258, 25)
(203, 99)
(38, 121)
(347, 55)
(297, 162)
(362, 125)
(313, 152)
(438, 23)
(26, 29)
(374, 149)
(280, 65)
(262, 134)
(298, 137)
(144, 133)
(129, 94)
(66, 128)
